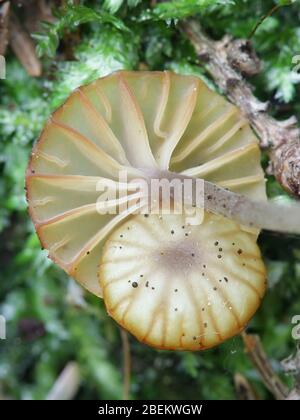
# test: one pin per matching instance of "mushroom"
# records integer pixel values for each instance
(172, 283)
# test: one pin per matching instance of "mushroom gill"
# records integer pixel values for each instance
(172, 284)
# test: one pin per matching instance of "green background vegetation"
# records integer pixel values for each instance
(50, 321)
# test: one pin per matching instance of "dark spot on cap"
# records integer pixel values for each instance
(220, 249)
(203, 309)
(205, 324)
(216, 243)
(186, 234)
(193, 254)
(203, 274)
(153, 288)
(120, 247)
(215, 288)
(134, 284)
(88, 253)
(182, 227)
(233, 243)
(219, 256)
(209, 197)
(176, 309)
(226, 279)
(204, 266)
(146, 215)
(194, 338)
(121, 236)
(141, 275)
(172, 232)
(175, 290)
(240, 251)
(147, 284)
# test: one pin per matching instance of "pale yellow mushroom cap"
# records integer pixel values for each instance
(169, 285)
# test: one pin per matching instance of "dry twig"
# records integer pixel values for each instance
(16, 34)
(67, 384)
(257, 354)
(23, 47)
(243, 388)
(4, 22)
(126, 364)
(35, 12)
(228, 61)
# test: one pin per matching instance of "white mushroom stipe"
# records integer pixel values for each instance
(248, 212)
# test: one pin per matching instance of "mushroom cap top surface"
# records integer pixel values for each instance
(136, 123)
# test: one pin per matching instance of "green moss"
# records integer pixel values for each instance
(121, 35)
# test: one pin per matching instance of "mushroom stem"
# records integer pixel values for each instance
(255, 214)
(258, 214)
